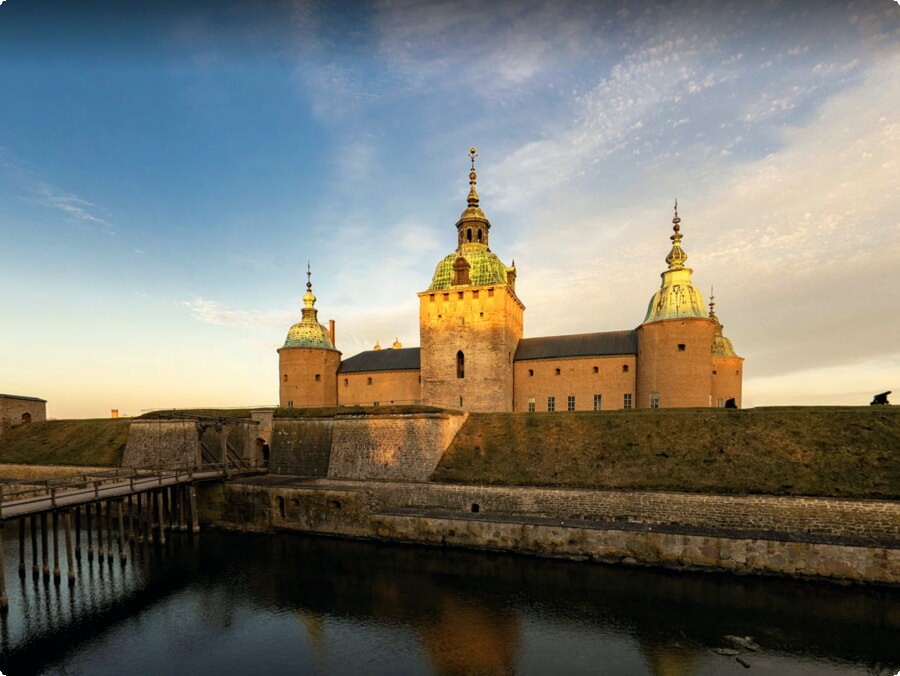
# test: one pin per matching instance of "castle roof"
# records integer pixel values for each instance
(603, 344)
(404, 359)
(677, 297)
(485, 267)
(308, 332)
(23, 398)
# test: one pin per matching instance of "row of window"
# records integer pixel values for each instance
(570, 403)
(596, 369)
(461, 294)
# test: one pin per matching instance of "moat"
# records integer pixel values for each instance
(229, 603)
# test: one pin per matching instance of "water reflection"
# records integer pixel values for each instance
(288, 603)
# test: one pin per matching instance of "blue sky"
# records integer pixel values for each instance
(167, 169)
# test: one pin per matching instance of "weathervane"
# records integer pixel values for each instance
(473, 153)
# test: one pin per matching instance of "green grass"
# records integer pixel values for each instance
(167, 414)
(98, 443)
(840, 452)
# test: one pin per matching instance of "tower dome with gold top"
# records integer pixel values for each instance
(473, 263)
(677, 297)
(308, 332)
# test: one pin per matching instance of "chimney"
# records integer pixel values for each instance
(331, 331)
(114, 413)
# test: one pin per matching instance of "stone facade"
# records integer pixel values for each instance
(18, 410)
(472, 357)
(840, 540)
(190, 443)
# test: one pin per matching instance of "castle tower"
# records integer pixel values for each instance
(673, 364)
(470, 320)
(308, 361)
(727, 366)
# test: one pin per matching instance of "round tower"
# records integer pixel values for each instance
(727, 366)
(674, 366)
(308, 362)
(470, 320)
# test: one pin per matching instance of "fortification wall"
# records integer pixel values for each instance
(157, 443)
(840, 540)
(301, 446)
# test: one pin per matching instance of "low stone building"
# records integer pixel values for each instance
(19, 410)
(473, 355)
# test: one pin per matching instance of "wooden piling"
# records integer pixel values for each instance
(195, 522)
(22, 548)
(4, 601)
(110, 532)
(140, 517)
(35, 570)
(130, 519)
(160, 495)
(56, 547)
(45, 552)
(78, 533)
(148, 520)
(70, 566)
(182, 511)
(101, 552)
(120, 509)
(89, 531)
(166, 504)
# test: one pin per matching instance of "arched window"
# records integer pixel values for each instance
(479, 234)
(460, 365)
(26, 417)
(468, 234)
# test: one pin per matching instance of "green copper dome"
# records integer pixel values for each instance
(485, 267)
(308, 332)
(677, 297)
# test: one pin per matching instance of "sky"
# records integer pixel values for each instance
(167, 169)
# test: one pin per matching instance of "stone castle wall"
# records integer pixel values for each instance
(301, 447)
(841, 540)
(379, 387)
(187, 443)
(681, 377)
(307, 377)
(394, 447)
(12, 410)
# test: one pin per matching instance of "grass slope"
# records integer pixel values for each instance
(98, 443)
(840, 452)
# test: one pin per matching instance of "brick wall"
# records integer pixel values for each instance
(307, 377)
(153, 443)
(485, 324)
(383, 387)
(681, 377)
(537, 378)
(727, 379)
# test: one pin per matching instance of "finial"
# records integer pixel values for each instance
(712, 302)
(677, 256)
(473, 193)
(308, 277)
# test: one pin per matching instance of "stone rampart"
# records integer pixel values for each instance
(301, 446)
(159, 443)
(842, 540)
(393, 447)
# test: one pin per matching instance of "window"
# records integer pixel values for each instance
(570, 403)
(290, 404)
(460, 402)
(714, 372)
(557, 371)
(431, 297)
(376, 403)
(318, 377)
(624, 368)
(531, 405)
(490, 293)
(720, 403)
(285, 377)
(654, 400)
(681, 347)
(597, 400)
(460, 295)
(460, 365)
(596, 369)
(551, 404)
(626, 402)
(26, 418)
(530, 372)
(346, 382)
(446, 296)
(469, 234)
(479, 234)
(475, 294)
(368, 381)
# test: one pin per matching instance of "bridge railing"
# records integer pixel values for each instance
(89, 485)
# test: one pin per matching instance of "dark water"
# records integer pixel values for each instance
(240, 604)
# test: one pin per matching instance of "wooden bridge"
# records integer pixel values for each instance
(124, 505)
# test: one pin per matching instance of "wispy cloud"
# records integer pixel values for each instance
(214, 312)
(77, 209)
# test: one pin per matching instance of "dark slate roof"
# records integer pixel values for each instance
(579, 345)
(404, 359)
(16, 396)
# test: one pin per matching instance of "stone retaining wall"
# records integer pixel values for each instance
(843, 540)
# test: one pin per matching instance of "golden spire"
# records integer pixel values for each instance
(677, 257)
(712, 305)
(473, 194)
(309, 300)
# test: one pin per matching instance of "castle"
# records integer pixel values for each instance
(473, 355)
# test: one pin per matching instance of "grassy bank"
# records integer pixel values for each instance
(99, 443)
(841, 452)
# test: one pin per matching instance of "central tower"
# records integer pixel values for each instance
(470, 320)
